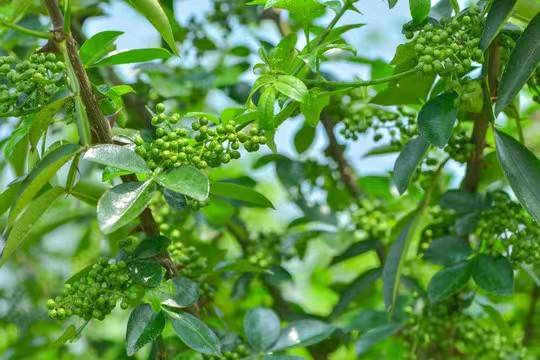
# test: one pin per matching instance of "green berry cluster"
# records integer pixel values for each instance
(505, 226)
(206, 145)
(452, 333)
(27, 85)
(359, 118)
(460, 146)
(441, 224)
(371, 218)
(96, 293)
(450, 47)
(239, 351)
(192, 264)
(264, 250)
(188, 259)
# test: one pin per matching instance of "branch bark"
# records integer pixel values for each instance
(336, 152)
(482, 120)
(101, 130)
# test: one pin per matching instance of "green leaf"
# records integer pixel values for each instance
(447, 250)
(405, 230)
(461, 201)
(412, 89)
(133, 56)
(40, 176)
(523, 61)
(240, 192)
(24, 224)
(195, 334)
(304, 138)
(498, 320)
(122, 204)
(291, 87)
(153, 12)
(151, 246)
(97, 46)
(265, 108)
(499, 12)
(313, 106)
(117, 156)
(89, 191)
(419, 10)
(261, 328)
(437, 117)
(392, 3)
(7, 196)
(522, 169)
(352, 291)
(186, 293)
(143, 327)
(303, 10)
(43, 118)
(376, 335)
(68, 335)
(408, 160)
(147, 273)
(356, 249)
(186, 180)
(303, 333)
(448, 281)
(494, 274)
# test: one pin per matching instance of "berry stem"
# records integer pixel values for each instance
(361, 83)
(23, 30)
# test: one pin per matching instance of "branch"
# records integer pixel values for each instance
(99, 125)
(482, 121)
(336, 152)
(23, 30)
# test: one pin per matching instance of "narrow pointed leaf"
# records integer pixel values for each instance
(408, 160)
(523, 61)
(195, 334)
(133, 56)
(143, 327)
(265, 108)
(522, 169)
(97, 46)
(499, 12)
(43, 118)
(40, 175)
(23, 226)
(240, 192)
(152, 10)
(303, 333)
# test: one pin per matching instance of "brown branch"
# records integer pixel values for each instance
(335, 151)
(482, 121)
(100, 127)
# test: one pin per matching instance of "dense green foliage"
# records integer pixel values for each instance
(149, 209)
